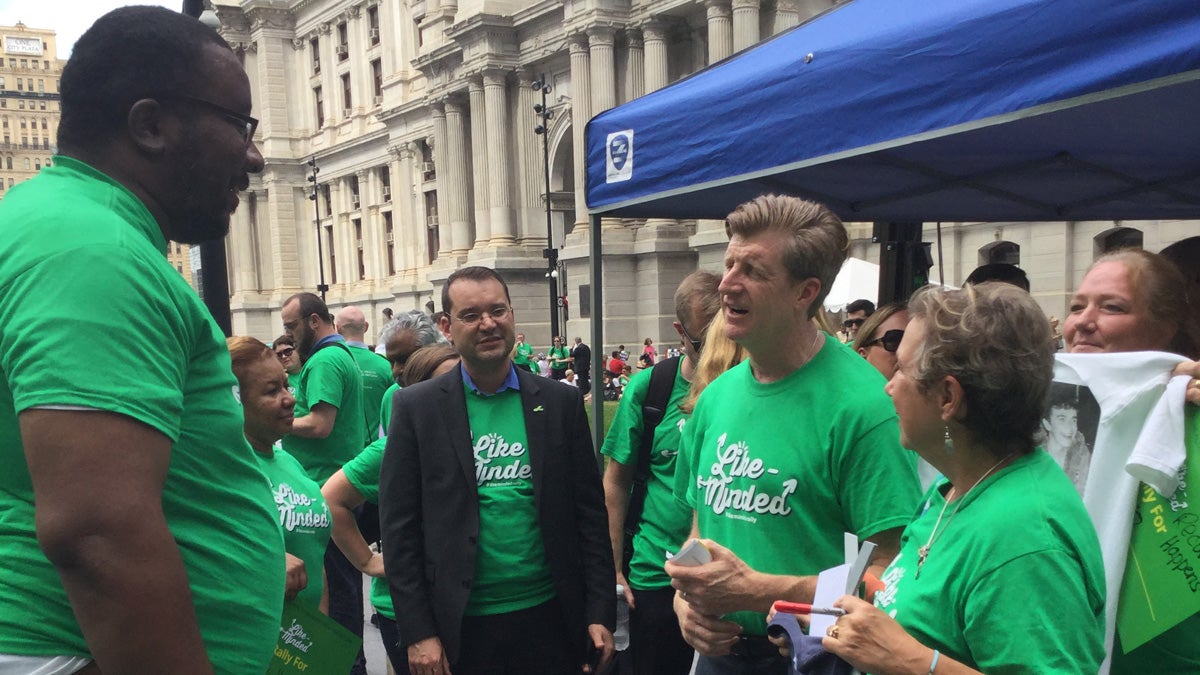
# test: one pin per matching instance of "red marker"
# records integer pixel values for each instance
(805, 608)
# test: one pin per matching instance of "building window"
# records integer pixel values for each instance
(45, 143)
(8, 161)
(42, 105)
(373, 23)
(10, 182)
(319, 100)
(12, 63)
(431, 225)
(34, 64)
(328, 197)
(29, 81)
(5, 122)
(46, 64)
(1116, 238)
(20, 103)
(37, 164)
(24, 63)
(346, 98)
(1, 82)
(314, 46)
(385, 178)
(343, 48)
(354, 197)
(361, 255)
(22, 122)
(428, 169)
(42, 86)
(390, 234)
(43, 123)
(20, 86)
(377, 78)
(26, 163)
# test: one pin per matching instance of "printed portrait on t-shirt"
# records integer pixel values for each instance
(1070, 417)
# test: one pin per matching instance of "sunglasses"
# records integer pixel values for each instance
(889, 340)
(285, 352)
(857, 323)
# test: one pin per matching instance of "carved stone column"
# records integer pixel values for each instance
(479, 160)
(581, 112)
(441, 162)
(604, 79)
(787, 14)
(495, 88)
(533, 180)
(635, 69)
(720, 33)
(745, 24)
(459, 198)
(400, 169)
(655, 35)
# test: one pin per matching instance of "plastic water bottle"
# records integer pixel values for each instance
(621, 634)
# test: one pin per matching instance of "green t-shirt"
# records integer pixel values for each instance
(92, 315)
(1013, 581)
(329, 376)
(303, 515)
(385, 409)
(511, 572)
(363, 474)
(376, 378)
(524, 354)
(558, 358)
(778, 472)
(665, 523)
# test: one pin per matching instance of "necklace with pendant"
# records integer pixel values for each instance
(923, 551)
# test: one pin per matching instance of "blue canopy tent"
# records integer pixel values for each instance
(922, 110)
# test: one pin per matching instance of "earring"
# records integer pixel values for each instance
(949, 442)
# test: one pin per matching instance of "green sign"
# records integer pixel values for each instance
(1161, 587)
(310, 642)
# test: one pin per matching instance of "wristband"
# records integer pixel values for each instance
(933, 664)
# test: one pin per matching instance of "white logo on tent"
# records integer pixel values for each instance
(619, 153)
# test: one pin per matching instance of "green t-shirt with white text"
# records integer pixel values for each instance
(524, 354)
(303, 516)
(778, 472)
(329, 376)
(665, 523)
(511, 572)
(93, 316)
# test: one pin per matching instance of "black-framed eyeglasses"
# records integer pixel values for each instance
(696, 344)
(857, 323)
(245, 124)
(889, 340)
(497, 312)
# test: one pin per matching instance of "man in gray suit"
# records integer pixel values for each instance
(495, 533)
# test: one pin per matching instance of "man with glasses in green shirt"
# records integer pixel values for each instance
(494, 530)
(137, 531)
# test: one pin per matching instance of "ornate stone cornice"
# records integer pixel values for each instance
(270, 19)
(299, 43)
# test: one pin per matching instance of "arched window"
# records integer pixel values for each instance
(37, 164)
(8, 161)
(1115, 238)
(26, 163)
(1000, 252)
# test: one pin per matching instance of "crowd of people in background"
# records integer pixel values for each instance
(167, 494)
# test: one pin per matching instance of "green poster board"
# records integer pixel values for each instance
(1162, 575)
(310, 642)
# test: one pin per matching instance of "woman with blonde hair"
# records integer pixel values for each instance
(268, 407)
(719, 355)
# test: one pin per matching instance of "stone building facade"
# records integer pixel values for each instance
(29, 102)
(419, 117)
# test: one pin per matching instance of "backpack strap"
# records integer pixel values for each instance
(654, 408)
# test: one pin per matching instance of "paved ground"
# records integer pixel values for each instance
(376, 658)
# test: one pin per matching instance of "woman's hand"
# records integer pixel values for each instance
(873, 642)
(297, 578)
(373, 567)
(1192, 370)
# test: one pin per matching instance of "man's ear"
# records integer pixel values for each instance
(144, 123)
(808, 291)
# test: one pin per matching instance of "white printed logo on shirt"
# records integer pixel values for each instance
(735, 461)
(498, 462)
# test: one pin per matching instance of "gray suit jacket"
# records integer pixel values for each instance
(429, 510)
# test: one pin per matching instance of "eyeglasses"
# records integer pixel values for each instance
(285, 352)
(889, 340)
(497, 312)
(245, 124)
(857, 323)
(695, 343)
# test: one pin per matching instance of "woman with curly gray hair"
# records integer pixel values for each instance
(1000, 570)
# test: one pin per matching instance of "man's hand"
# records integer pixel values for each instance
(602, 641)
(427, 658)
(297, 577)
(719, 587)
(708, 635)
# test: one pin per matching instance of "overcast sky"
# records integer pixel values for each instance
(68, 18)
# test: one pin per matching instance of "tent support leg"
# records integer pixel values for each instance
(597, 291)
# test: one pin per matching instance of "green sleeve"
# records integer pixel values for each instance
(625, 433)
(385, 409)
(108, 349)
(363, 470)
(324, 382)
(877, 480)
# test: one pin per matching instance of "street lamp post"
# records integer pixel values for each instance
(312, 178)
(550, 253)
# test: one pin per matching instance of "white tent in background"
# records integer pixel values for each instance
(857, 279)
